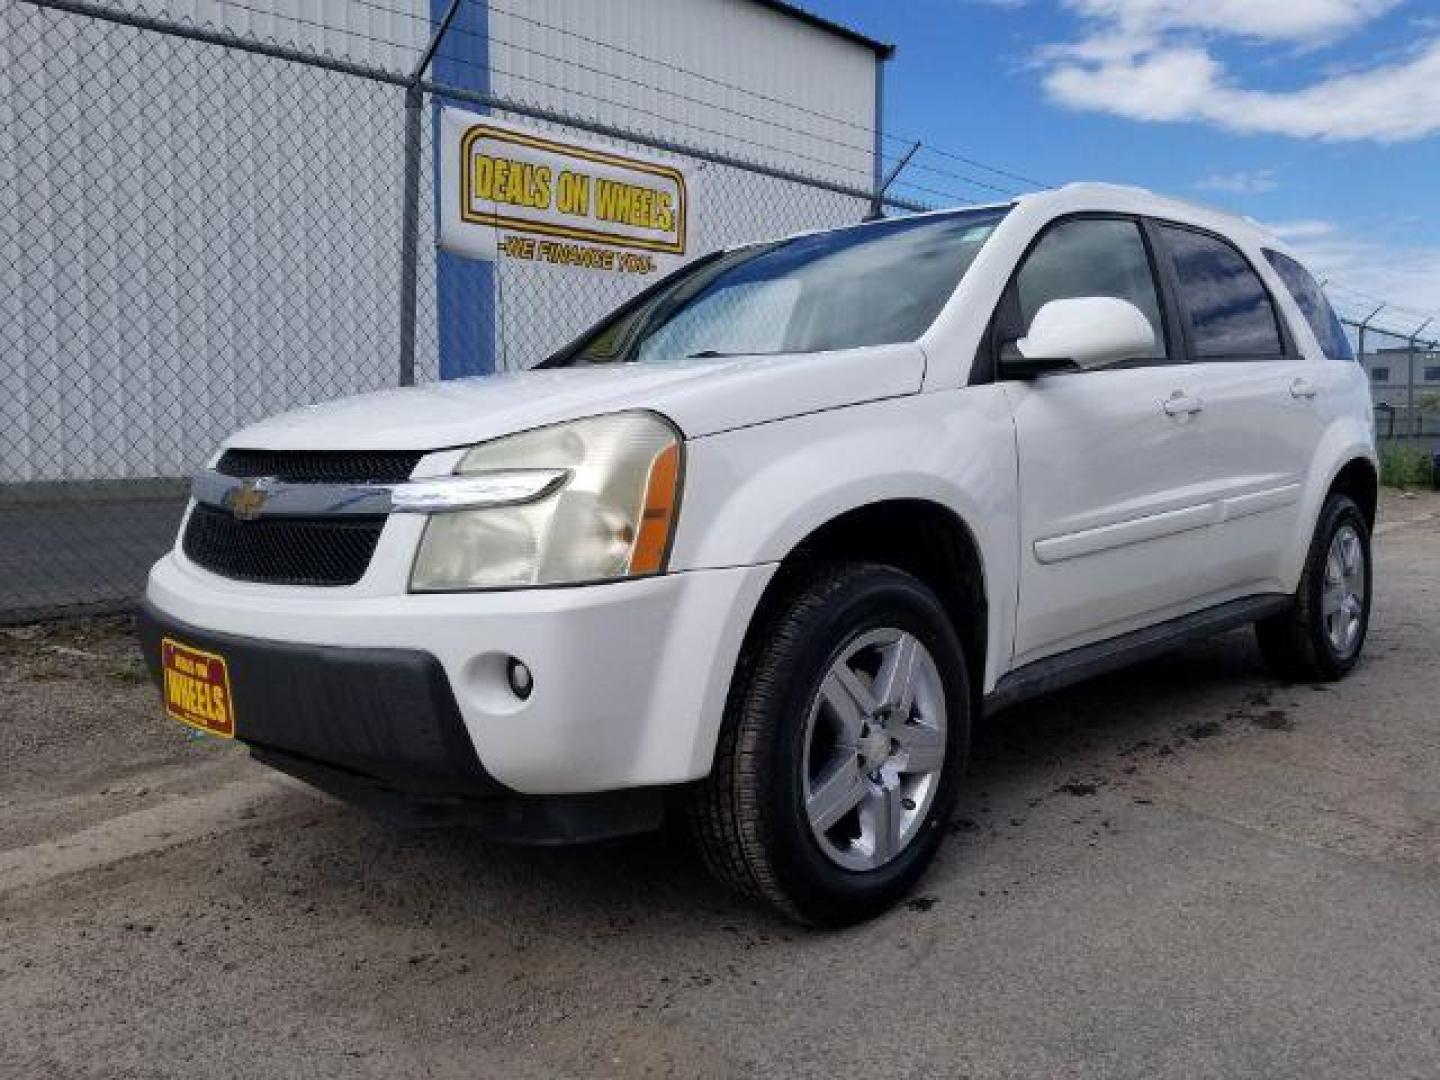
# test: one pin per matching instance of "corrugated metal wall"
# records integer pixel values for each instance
(190, 237)
(729, 75)
(193, 237)
(386, 34)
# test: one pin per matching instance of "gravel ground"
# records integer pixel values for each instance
(1185, 870)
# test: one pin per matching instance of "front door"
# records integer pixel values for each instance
(1115, 487)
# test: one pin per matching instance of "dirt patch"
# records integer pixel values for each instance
(1206, 729)
(1274, 720)
(82, 736)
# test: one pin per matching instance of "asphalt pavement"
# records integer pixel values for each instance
(81, 553)
(1185, 870)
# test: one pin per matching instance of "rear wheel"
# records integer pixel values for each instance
(1320, 638)
(843, 742)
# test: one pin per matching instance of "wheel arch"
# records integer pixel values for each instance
(921, 537)
(1345, 461)
(1360, 480)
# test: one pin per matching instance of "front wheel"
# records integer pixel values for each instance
(844, 739)
(1320, 638)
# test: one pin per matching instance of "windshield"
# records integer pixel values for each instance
(873, 284)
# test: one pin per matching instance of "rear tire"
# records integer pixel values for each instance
(843, 742)
(1321, 637)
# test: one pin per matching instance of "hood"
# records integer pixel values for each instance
(701, 396)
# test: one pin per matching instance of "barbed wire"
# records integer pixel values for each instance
(868, 129)
(716, 106)
(679, 122)
(1385, 305)
(918, 164)
(457, 32)
(299, 20)
(808, 134)
(887, 136)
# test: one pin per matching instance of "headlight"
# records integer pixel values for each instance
(611, 516)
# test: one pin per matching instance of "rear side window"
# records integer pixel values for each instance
(1091, 257)
(1231, 316)
(1313, 305)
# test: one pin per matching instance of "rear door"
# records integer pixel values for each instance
(1259, 417)
(1113, 476)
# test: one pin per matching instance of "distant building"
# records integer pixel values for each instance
(1390, 374)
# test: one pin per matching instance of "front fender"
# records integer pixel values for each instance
(753, 495)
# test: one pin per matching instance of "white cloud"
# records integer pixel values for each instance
(1149, 60)
(1359, 267)
(1269, 20)
(1256, 182)
(1304, 229)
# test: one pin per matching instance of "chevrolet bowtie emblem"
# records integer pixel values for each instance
(247, 500)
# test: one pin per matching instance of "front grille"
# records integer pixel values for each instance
(282, 550)
(322, 466)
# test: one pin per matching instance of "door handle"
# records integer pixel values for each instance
(1302, 388)
(1182, 404)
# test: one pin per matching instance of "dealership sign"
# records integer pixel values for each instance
(511, 193)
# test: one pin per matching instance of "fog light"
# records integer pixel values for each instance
(521, 681)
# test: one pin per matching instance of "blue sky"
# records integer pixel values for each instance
(1319, 117)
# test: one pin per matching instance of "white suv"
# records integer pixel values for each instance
(764, 544)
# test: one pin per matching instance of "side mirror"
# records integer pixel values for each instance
(1085, 332)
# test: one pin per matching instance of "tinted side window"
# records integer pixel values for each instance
(1091, 257)
(1313, 305)
(1230, 311)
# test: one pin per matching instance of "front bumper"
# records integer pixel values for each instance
(386, 714)
(630, 677)
(380, 728)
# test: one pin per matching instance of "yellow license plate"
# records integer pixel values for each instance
(197, 688)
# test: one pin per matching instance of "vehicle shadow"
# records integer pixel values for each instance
(1112, 730)
(1163, 701)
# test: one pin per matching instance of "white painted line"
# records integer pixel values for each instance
(155, 828)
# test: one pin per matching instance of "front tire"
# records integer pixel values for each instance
(1320, 638)
(840, 754)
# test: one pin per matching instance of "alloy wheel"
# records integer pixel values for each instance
(874, 749)
(1343, 598)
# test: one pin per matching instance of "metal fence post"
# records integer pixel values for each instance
(1410, 382)
(410, 204)
(1410, 412)
(1365, 326)
(410, 233)
(877, 201)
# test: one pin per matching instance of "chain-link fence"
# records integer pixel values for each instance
(1404, 372)
(213, 211)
